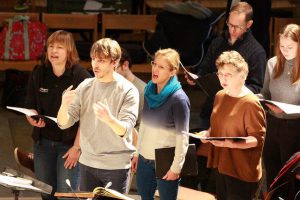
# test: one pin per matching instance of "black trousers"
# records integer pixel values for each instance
(230, 188)
(282, 141)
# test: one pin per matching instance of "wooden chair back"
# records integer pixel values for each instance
(7, 15)
(127, 22)
(72, 21)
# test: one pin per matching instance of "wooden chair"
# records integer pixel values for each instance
(6, 15)
(128, 22)
(26, 65)
(145, 23)
(72, 21)
(83, 22)
(278, 24)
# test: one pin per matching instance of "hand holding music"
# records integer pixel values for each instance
(275, 109)
(223, 143)
(204, 133)
(38, 123)
(189, 80)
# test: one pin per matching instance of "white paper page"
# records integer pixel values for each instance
(22, 110)
(28, 112)
(17, 182)
(214, 138)
(195, 135)
(287, 108)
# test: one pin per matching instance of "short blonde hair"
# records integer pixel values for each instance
(108, 47)
(171, 56)
(232, 58)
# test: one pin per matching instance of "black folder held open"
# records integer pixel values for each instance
(164, 158)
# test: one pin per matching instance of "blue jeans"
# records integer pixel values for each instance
(93, 177)
(147, 183)
(49, 166)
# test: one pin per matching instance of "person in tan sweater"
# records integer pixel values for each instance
(236, 113)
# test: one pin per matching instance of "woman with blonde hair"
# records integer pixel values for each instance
(282, 84)
(165, 115)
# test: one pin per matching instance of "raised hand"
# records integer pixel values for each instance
(102, 111)
(68, 96)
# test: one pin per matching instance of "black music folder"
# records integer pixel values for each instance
(164, 158)
(210, 83)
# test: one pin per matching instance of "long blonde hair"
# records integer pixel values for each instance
(291, 31)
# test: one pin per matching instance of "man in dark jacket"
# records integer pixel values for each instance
(238, 37)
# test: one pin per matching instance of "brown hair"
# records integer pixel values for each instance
(243, 7)
(232, 58)
(66, 39)
(172, 57)
(108, 47)
(291, 31)
(125, 56)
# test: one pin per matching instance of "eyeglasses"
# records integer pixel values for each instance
(236, 27)
(221, 75)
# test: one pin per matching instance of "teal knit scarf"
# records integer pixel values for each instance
(155, 100)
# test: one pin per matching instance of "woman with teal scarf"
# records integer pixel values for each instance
(165, 115)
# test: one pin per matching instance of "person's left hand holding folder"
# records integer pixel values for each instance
(190, 77)
(274, 108)
(36, 120)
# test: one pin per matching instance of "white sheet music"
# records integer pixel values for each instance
(28, 112)
(285, 107)
(19, 183)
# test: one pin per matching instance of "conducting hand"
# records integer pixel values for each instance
(225, 143)
(68, 96)
(102, 111)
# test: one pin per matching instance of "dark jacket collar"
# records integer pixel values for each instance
(68, 72)
(243, 37)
